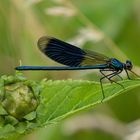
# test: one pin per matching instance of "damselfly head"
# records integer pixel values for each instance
(128, 65)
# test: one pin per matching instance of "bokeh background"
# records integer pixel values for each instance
(111, 27)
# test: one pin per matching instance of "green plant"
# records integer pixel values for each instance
(27, 105)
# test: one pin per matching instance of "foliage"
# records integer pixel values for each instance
(26, 105)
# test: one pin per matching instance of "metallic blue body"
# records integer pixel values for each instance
(113, 64)
(60, 68)
(116, 64)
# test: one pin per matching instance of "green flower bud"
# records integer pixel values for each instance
(18, 98)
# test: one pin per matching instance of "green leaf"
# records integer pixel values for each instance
(48, 102)
(60, 99)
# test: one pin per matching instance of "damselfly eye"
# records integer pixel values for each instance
(129, 65)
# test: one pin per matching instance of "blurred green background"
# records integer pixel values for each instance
(106, 26)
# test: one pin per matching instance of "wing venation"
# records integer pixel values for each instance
(68, 54)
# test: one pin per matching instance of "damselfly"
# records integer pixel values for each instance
(79, 59)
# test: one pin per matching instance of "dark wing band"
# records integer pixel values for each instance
(68, 54)
(60, 51)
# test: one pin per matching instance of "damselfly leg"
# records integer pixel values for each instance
(109, 77)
